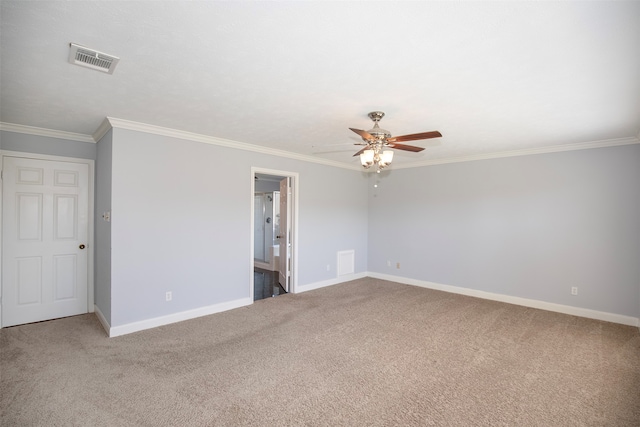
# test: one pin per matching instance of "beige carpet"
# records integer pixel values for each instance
(368, 352)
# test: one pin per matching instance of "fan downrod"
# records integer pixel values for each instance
(377, 132)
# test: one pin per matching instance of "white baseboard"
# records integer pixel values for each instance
(102, 319)
(330, 282)
(217, 308)
(526, 302)
(205, 311)
(177, 317)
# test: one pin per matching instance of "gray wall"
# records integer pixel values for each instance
(13, 141)
(181, 222)
(102, 228)
(530, 227)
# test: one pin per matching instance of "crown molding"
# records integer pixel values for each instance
(525, 152)
(102, 130)
(32, 130)
(112, 122)
(196, 137)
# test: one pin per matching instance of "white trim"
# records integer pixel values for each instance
(142, 325)
(524, 152)
(526, 302)
(190, 136)
(112, 122)
(295, 178)
(102, 130)
(101, 319)
(331, 282)
(90, 238)
(217, 308)
(37, 156)
(32, 130)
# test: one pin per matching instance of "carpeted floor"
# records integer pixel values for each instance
(368, 352)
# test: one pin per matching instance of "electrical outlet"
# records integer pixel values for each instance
(328, 267)
(397, 265)
(574, 290)
(388, 263)
(168, 296)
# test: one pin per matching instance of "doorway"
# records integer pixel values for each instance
(273, 232)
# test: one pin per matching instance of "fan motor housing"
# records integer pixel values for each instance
(377, 131)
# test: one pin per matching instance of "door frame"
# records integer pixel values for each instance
(90, 238)
(294, 223)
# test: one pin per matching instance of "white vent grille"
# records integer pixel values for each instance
(85, 57)
(346, 262)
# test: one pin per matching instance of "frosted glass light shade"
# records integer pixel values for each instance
(387, 157)
(366, 158)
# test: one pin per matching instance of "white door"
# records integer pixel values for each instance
(45, 223)
(284, 274)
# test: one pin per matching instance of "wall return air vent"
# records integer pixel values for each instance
(90, 58)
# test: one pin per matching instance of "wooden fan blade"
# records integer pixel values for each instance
(361, 151)
(405, 147)
(415, 136)
(366, 135)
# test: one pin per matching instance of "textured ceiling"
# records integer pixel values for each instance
(294, 76)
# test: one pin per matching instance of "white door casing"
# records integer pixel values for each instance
(46, 224)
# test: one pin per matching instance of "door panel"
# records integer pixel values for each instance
(64, 276)
(45, 215)
(28, 280)
(29, 216)
(65, 217)
(284, 273)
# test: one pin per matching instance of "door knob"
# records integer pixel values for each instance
(81, 246)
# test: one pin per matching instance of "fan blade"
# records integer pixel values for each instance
(361, 151)
(366, 135)
(406, 147)
(415, 136)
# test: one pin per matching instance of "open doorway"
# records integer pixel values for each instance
(273, 232)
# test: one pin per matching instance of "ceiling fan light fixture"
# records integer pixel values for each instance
(366, 158)
(376, 139)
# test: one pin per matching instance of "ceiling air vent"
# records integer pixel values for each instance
(93, 59)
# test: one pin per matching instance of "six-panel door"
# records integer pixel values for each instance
(45, 219)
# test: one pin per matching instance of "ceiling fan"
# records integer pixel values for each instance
(376, 139)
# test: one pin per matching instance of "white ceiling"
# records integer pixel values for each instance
(294, 76)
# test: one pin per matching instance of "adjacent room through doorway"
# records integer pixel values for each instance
(273, 233)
